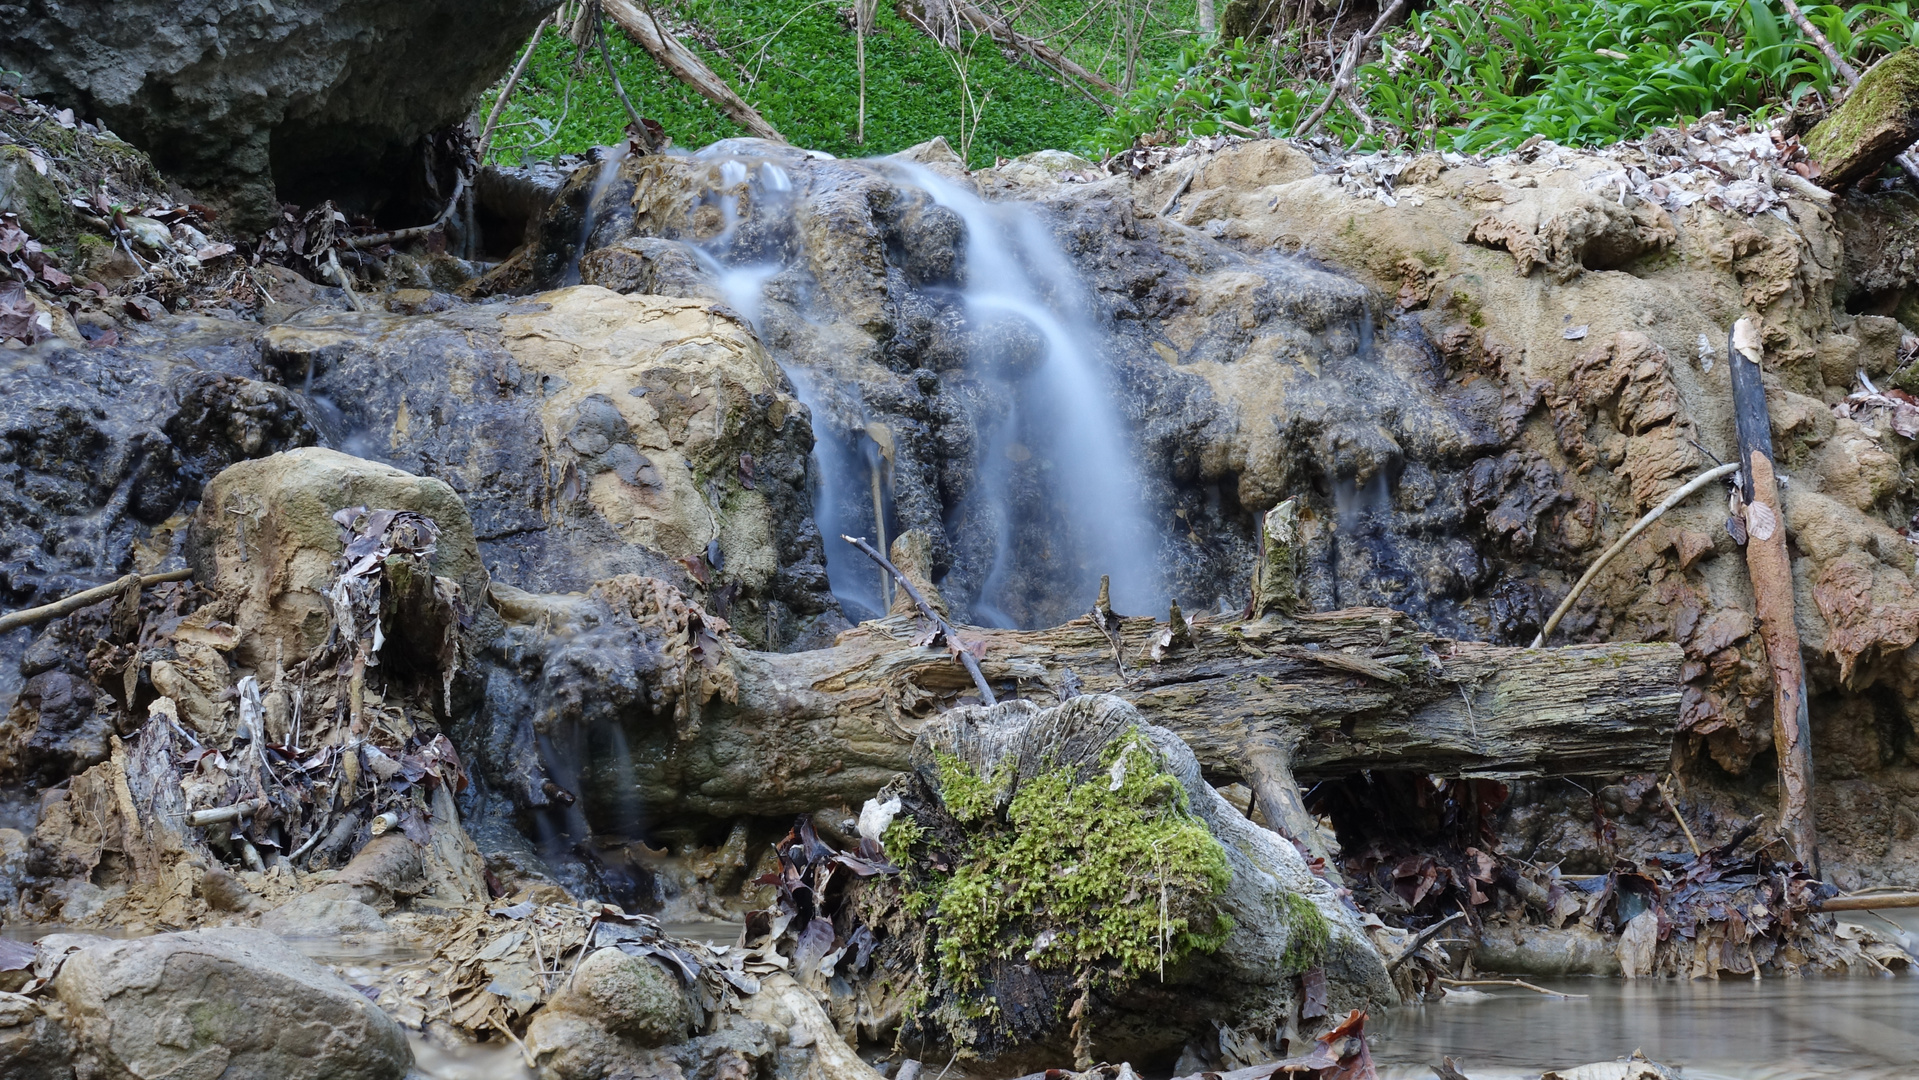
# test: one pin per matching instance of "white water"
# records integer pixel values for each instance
(1062, 414)
(1055, 461)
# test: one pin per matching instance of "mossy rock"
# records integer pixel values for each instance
(26, 191)
(1876, 122)
(1067, 871)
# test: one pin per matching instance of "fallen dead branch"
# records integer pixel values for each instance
(1521, 983)
(945, 629)
(1870, 901)
(686, 65)
(1632, 534)
(512, 81)
(1769, 563)
(1348, 63)
(14, 620)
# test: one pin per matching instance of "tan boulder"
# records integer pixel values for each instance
(264, 537)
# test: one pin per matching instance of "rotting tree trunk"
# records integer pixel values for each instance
(1346, 690)
(1770, 565)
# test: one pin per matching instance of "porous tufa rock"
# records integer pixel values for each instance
(613, 1010)
(265, 538)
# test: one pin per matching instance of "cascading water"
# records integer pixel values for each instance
(1053, 486)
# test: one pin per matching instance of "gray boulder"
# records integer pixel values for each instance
(234, 97)
(221, 1002)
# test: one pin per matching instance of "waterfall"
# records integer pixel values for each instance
(1054, 484)
(1062, 427)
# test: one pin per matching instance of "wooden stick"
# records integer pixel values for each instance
(1770, 566)
(412, 232)
(1420, 939)
(215, 816)
(1870, 901)
(513, 80)
(952, 636)
(1632, 534)
(687, 66)
(1347, 65)
(14, 620)
(1509, 982)
(1691, 841)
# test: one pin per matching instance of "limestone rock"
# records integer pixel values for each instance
(33, 1045)
(234, 99)
(265, 537)
(1875, 124)
(231, 1001)
(590, 435)
(614, 1008)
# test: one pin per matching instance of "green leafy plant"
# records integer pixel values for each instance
(1475, 75)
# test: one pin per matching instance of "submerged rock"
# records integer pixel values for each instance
(233, 1002)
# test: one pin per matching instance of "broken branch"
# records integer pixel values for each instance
(1619, 545)
(1347, 65)
(686, 65)
(14, 620)
(1769, 564)
(965, 656)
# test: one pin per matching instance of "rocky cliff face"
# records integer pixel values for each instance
(323, 99)
(1515, 359)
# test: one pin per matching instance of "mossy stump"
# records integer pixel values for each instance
(1073, 888)
(1875, 124)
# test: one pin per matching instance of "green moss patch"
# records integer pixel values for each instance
(1114, 877)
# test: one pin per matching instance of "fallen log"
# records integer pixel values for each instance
(1344, 691)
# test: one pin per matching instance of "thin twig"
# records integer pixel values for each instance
(512, 81)
(1421, 939)
(1510, 982)
(952, 636)
(1691, 841)
(1347, 65)
(333, 264)
(632, 114)
(413, 232)
(1632, 534)
(14, 620)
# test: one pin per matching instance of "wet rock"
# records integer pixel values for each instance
(615, 1008)
(589, 435)
(221, 1002)
(233, 99)
(33, 1045)
(322, 916)
(265, 537)
(986, 773)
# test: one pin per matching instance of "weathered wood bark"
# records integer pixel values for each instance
(686, 65)
(1348, 690)
(1872, 127)
(1770, 565)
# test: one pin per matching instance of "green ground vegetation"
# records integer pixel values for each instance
(795, 61)
(1473, 75)
(1469, 75)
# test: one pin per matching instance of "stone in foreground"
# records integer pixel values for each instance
(223, 1002)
